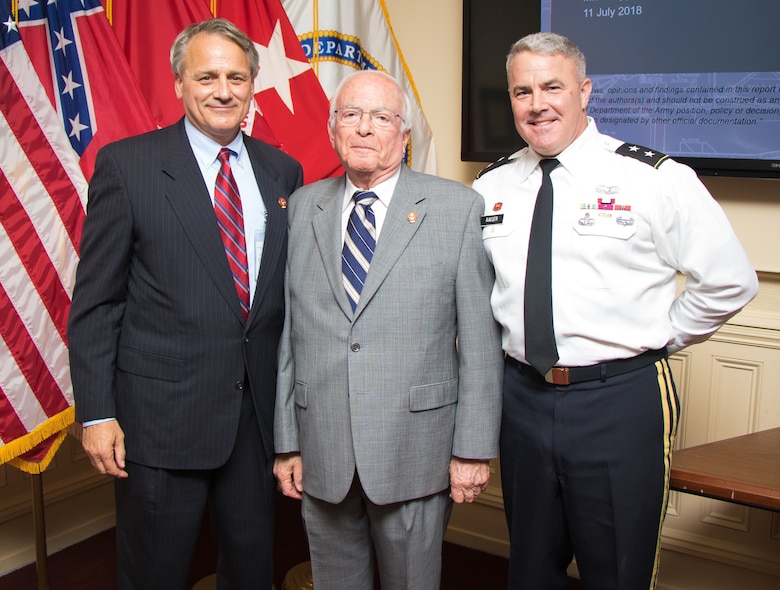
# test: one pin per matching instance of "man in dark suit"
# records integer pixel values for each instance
(390, 379)
(174, 377)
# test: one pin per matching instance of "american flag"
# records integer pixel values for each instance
(65, 90)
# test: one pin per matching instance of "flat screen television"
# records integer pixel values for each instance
(696, 79)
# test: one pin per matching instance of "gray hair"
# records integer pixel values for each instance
(549, 44)
(406, 124)
(214, 26)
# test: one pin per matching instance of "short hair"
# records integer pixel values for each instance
(214, 26)
(549, 44)
(406, 124)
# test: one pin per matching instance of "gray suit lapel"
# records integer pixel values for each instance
(326, 224)
(404, 216)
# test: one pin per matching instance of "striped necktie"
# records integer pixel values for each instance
(540, 349)
(230, 218)
(359, 244)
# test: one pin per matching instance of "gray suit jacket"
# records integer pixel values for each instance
(413, 376)
(156, 334)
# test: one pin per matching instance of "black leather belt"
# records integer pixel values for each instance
(569, 375)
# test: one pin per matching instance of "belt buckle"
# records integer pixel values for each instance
(558, 376)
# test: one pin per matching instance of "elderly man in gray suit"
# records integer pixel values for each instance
(389, 393)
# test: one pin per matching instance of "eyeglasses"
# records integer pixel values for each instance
(380, 118)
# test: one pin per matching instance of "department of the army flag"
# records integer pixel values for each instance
(341, 36)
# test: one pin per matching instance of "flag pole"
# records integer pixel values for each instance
(39, 523)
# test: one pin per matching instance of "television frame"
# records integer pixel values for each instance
(482, 49)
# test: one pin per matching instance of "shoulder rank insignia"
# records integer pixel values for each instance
(643, 154)
(500, 162)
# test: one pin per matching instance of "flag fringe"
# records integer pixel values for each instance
(54, 429)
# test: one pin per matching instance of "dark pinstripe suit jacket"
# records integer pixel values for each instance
(155, 333)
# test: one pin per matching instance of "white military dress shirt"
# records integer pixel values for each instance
(622, 230)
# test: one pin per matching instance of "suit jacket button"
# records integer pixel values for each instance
(354, 347)
(239, 385)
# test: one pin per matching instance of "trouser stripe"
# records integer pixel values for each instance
(671, 416)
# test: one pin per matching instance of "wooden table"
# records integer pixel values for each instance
(744, 470)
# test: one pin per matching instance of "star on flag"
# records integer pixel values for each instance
(277, 69)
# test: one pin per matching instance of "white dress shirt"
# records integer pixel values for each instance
(206, 151)
(384, 192)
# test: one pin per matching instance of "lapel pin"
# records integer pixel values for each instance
(282, 202)
(412, 217)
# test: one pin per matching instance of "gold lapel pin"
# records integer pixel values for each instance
(412, 217)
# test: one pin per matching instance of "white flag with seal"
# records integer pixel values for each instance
(342, 36)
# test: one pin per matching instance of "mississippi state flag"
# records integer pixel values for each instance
(84, 72)
(64, 91)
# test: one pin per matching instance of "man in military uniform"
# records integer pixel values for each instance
(589, 316)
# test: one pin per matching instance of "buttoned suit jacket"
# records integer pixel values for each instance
(156, 333)
(413, 376)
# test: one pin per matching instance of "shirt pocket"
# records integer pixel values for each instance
(497, 230)
(602, 247)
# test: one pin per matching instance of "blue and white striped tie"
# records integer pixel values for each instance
(359, 244)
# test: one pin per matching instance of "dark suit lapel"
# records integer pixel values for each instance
(404, 216)
(191, 202)
(275, 200)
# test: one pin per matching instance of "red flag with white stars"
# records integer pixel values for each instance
(291, 109)
(287, 91)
